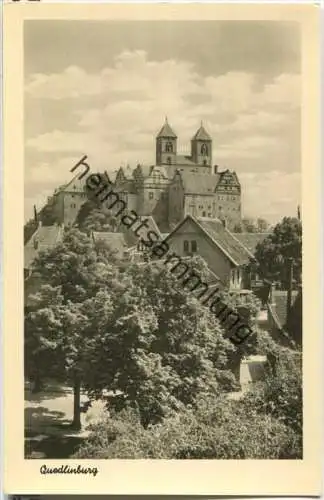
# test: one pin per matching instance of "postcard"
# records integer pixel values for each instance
(162, 299)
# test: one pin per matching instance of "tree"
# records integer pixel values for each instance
(284, 242)
(93, 216)
(158, 346)
(29, 229)
(41, 325)
(58, 336)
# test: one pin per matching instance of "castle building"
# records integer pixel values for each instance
(176, 186)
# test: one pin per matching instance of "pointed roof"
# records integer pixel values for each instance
(202, 134)
(221, 237)
(166, 130)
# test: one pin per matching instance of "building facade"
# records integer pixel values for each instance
(177, 185)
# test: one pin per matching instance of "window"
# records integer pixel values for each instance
(169, 160)
(169, 147)
(194, 246)
(151, 195)
(209, 215)
(186, 246)
(204, 213)
(204, 149)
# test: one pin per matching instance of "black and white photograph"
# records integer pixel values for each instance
(162, 240)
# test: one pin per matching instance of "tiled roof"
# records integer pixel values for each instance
(152, 226)
(280, 304)
(202, 135)
(199, 183)
(128, 186)
(166, 131)
(250, 240)
(146, 170)
(238, 254)
(159, 170)
(115, 241)
(45, 237)
(184, 160)
(75, 185)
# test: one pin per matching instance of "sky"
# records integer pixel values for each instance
(103, 89)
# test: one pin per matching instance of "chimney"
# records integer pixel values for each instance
(215, 169)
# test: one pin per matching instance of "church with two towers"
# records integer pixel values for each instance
(175, 186)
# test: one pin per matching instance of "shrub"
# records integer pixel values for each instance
(219, 429)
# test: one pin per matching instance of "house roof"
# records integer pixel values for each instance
(184, 160)
(221, 237)
(201, 134)
(226, 241)
(44, 238)
(250, 240)
(199, 183)
(115, 241)
(127, 186)
(74, 185)
(145, 169)
(152, 226)
(166, 131)
(279, 298)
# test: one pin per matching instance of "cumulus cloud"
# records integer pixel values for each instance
(118, 111)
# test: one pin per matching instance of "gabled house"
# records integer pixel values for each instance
(223, 253)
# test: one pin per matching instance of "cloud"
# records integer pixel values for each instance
(271, 195)
(113, 116)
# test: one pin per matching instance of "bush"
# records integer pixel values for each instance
(280, 395)
(219, 429)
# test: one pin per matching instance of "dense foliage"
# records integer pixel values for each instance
(134, 335)
(133, 329)
(265, 423)
(284, 242)
(29, 229)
